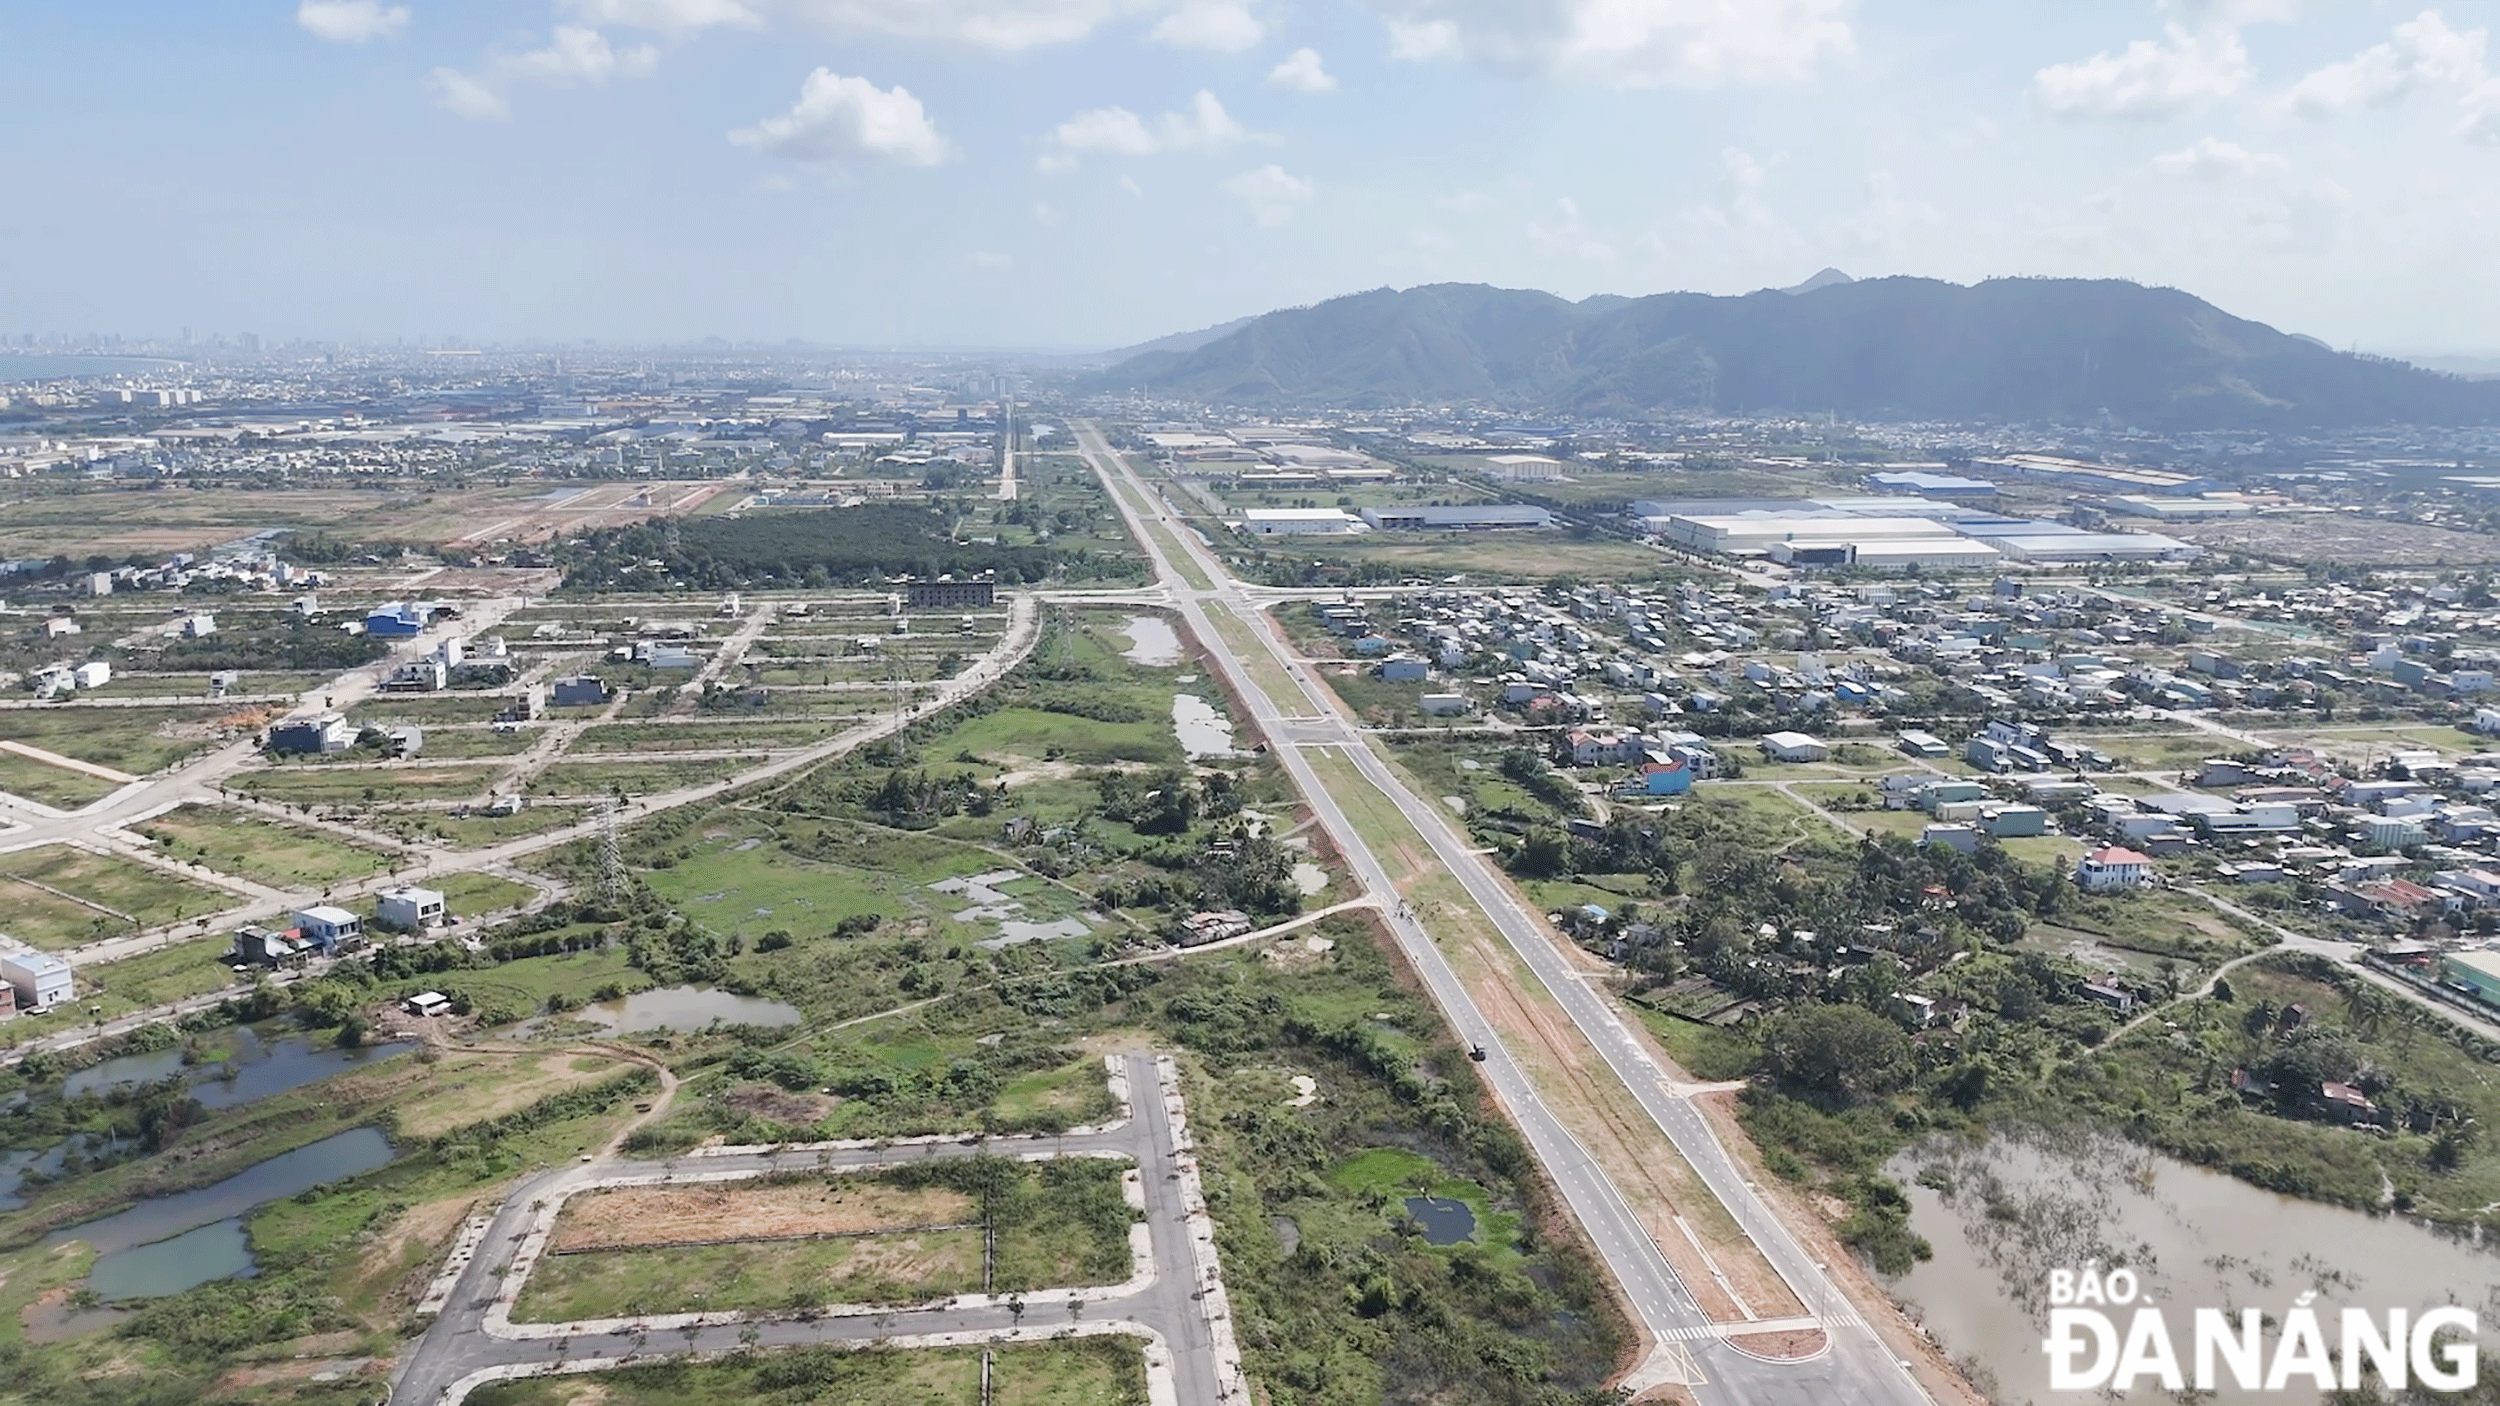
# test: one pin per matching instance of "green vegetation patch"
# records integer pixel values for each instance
(50, 785)
(78, 886)
(133, 740)
(258, 847)
(1096, 1371)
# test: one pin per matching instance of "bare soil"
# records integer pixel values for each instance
(633, 1216)
(1796, 1344)
(778, 1104)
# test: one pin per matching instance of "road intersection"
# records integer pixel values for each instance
(1174, 1300)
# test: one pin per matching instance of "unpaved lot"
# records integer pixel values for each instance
(651, 1215)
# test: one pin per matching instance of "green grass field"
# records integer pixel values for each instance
(256, 847)
(886, 1270)
(1100, 1371)
(54, 786)
(144, 895)
(134, 740)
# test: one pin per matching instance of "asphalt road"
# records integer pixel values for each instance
(468, 1338)
(1858, 1367)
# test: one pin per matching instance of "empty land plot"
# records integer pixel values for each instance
(257, 847)
(2343, 539)
(1078, 1372)
(475, 829)
(702, 737)
(166, 975)
(317, 785)
(137, 892)
(116, 521)
(49, 785)
(462, 1088)
(441, 708)
(135, 740)
(626, 1217)
(468, 895)
(632, 778)
(1508, 555)
(903, 1268)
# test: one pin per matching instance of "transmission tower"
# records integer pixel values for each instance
(612, 886)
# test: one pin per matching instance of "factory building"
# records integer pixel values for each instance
(1473, 517)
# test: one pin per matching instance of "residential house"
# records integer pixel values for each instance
(2113, 869)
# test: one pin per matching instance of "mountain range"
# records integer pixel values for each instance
(2029, 350)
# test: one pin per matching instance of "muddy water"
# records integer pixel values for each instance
(170, 1243)
(2002, 1214)
(685, 1008)
(1203, 729)
(256, 1070)
(1152, 641)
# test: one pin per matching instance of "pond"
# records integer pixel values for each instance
(159, 1245)
(2002, 1214)
(1445, 1221)
(684, 1008)
(1203, 729)
(1152, 642)
(255, 1070)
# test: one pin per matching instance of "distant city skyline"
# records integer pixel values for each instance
(1085, 174)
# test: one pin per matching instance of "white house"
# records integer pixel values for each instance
(408, 908)
(2107, 870)
(328, 925)
(39, 980)
(95, 673)
(59, 626)
(1793, 747)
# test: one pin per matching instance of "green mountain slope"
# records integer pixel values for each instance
(1887, 349)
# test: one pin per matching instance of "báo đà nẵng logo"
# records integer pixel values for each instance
(2105, 1333)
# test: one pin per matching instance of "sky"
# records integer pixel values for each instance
(1084, 174)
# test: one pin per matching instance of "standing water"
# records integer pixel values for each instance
(1152, 642)
(2004, 1213)
(170, 1243)
(1202, 728)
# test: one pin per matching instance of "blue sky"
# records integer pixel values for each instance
(1085, 173)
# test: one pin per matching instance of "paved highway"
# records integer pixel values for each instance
(1175, 1302)
(1858, 1367)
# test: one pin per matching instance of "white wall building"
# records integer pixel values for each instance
(1298, 522)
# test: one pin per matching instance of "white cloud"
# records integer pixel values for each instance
(1271, 194)
(2481, 124)
(2186, 69)
(1890, 221)
(1628, 43)
(577, 55)
(1225, 26)
(2212, 159)
(351, 21)
(1206, 126)
(572, 55)
(987, 24)
(2423, 52)
(985, 259)
(1301, 72)
(463, 96)
(666, 16)
(840, 118)
(1570, 235)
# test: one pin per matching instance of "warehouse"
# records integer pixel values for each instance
(1947, 551)
(1298, 522)
(1469, 518)
(1748, 532)
(2094, 546)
